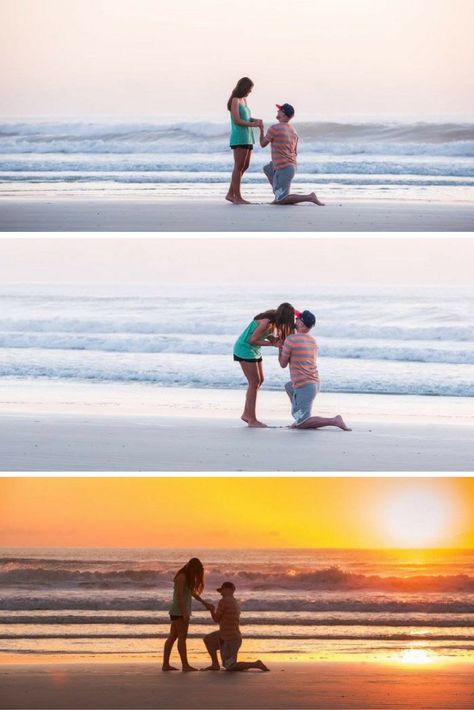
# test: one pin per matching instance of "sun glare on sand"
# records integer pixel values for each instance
(417, 517)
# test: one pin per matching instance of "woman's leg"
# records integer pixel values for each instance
(182, 630)
(241, 159)
(169, 643)
(253, 371)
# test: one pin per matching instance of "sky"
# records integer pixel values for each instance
(175, 262)
(237, 512)
(158, 59)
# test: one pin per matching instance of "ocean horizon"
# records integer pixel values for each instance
(347, 161)
(297, 603)
(371, 340)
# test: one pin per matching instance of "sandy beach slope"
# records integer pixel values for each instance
(288, 685)
(72, 442)
(41, 215)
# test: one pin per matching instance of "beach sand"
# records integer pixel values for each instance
(288, 685)
(78, 215)
(58, 426)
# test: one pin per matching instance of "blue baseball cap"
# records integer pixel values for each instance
(287, 109)
(308, 318)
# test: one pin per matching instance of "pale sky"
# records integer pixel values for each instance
(237, 512)
(226, 260)
(158, 59)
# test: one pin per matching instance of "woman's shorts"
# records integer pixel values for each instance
(247, 359)
(247, 146)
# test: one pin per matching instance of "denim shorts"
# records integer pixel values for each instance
(281, 180)
(302, 399)
(229, 649)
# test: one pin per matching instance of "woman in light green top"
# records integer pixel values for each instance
(241, 136)
(269, 328)
(188, 583)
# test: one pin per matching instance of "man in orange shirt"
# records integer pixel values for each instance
(281, 171)
(228, 639)
(299, 351)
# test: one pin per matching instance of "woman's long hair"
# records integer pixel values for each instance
(282, 319)
(194, 573)
(242, 88)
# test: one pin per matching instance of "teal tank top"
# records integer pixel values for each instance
(175, 608)
(243, 347)
(241, 135)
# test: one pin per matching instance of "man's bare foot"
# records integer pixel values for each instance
(169, 668)
(339, 421)
(241, 201)
(211, 668)
(316, 201)
(245, 418)
(262, 665)
(256, 423)
(229, 197)
(188, 669)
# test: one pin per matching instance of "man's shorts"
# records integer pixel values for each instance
(280, 179)
(229, 649)
(302, 399)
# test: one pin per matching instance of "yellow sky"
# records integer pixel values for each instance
(156, 58)
(237, 512)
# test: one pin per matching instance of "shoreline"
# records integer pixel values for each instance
(288, 685)
(84, 427)
(34, 214)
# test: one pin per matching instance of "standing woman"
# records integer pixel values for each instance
(269, 328)
(241, 136)
(188, 583)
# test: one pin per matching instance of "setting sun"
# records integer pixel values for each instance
(418, 518)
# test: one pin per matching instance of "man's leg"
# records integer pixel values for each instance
(295, 199)
(247, 666)
(269, 172)
(211, 642)
(318, 422)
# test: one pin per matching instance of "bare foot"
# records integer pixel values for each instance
(241, 201)
(262, 665)
(256, 424)
(245, 418)
(229, 197)
(339, 421)
(188, 669)
(316, 201)
(169, 668)
(211, 668)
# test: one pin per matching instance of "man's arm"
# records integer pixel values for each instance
(284, 355)
(265, 140)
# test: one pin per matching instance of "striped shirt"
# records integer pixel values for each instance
(302, 351)
(284, 140)
(228, 613)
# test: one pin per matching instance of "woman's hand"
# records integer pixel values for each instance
(257, 123)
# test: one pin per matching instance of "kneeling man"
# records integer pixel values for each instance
(228, 639)
(299, 351)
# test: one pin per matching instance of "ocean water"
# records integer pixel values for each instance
(344, 161)
(370, 341)
(296, 604)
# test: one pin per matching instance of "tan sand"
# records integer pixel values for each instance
(288, 685)
(72, 442)
(67, 215)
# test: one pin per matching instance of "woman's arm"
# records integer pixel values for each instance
(234, 109)
(180, 584)
(257, 336)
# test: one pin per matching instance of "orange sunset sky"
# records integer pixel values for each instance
(237, 512)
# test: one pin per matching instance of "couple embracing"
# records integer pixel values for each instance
(288, 330)
(283, 139)
(188, 585)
